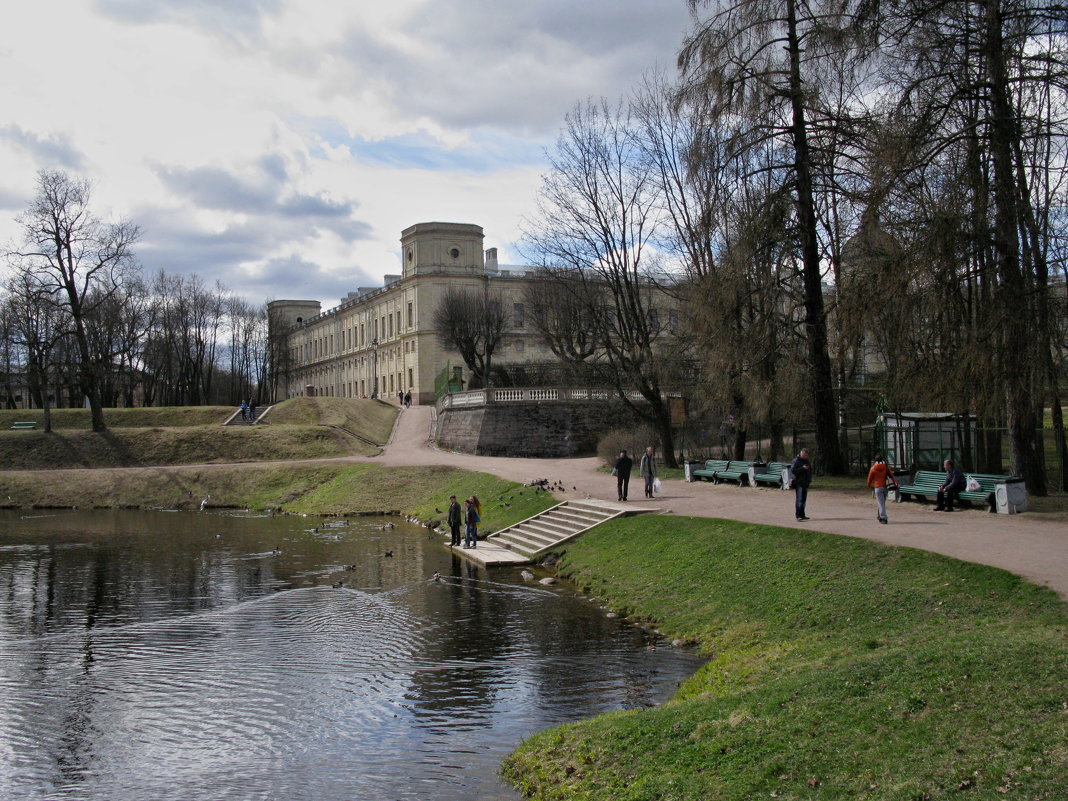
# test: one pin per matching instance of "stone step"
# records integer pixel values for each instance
(552, 527)
(527, 531)
(580, 518)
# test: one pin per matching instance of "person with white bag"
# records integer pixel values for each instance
(647, 470)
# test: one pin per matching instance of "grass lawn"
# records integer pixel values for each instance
(838, 668)
(134, 417)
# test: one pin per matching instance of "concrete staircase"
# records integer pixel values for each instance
(548, 529)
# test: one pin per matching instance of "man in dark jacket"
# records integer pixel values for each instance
(801, 470)
(624, 465)
(454, 519)
(951, 487)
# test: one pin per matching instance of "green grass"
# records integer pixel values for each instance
(838, 669)
(337, 489)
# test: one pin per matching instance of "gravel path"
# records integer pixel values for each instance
(1034, 548)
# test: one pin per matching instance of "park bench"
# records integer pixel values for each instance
(719, 470)
(927, 482)
(27, 425)
(771, 473)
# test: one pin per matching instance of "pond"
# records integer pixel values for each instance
(148, 655)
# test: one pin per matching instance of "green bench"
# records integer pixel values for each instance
(23, 426)
(720, 470)
(771, 473)
(927, 482)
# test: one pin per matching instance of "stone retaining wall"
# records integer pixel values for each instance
(530, 429)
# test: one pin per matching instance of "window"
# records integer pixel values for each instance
(518, 315)
(411, 381)
(391, 325)
(520, 346)
(411, 314)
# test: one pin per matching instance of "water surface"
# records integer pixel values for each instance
(210, 656)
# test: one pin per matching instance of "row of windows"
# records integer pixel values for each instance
(364, 388)
(384, 326)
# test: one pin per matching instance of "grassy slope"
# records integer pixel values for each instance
(140, 437)
(369, 418)
(313, 489)
(136, 417)
(839, 669)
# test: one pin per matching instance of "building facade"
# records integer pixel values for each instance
(381, 341)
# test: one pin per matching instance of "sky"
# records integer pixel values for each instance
(280, 146)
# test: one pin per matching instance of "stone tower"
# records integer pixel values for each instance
(437, 248)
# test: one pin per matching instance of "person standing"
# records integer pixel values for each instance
(454, 519)
(951, 487)
(880, 478)
(252, 411)
(801, 470)
(471, 515)
(624, 464)
(244, 410)
(647, 470)
(408, 399)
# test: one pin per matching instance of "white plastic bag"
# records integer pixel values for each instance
(971, 484)
(657, 486)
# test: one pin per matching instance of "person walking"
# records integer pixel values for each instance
(454, 519)
(881, 479)
(472, 518)
(244, 410)
(252, 411)
(624, 464)
(647, 470)
(801, 470)
(950, 489)
(408, 399)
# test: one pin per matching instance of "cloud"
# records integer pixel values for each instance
(49, 151)
(226, 18)
(264, 191)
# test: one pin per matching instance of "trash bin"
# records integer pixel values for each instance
(1010, 496)
(689, 466)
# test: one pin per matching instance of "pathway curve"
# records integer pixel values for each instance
(1034, 548)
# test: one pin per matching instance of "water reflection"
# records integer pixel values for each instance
(151, 655)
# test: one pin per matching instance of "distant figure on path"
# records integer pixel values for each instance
(647, 470)
(252, 411)
(880, 478)
(400, 398)
(471, 515)
(408, 399)
(454, 519)
(950, 489)
(244, 410)
(624, 464)
(801, 470)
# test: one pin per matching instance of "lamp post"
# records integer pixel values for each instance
(374, 365)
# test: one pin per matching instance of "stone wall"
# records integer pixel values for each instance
(530, 429)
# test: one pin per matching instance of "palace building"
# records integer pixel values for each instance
(381, 341)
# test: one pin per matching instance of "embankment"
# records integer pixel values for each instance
(838, 669)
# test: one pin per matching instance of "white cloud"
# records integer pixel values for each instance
(282, 145)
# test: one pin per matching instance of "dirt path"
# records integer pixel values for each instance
(1034, 548)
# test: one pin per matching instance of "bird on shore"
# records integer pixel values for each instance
(437, 576)
(388, 554)
(276, 550)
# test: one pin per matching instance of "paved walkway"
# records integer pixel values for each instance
(1034, 548)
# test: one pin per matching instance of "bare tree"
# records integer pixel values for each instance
(759, 60)
(38, 325)
(593, 235)
(472, 322)
(79, 258)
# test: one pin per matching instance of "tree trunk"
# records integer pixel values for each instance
(1017, 364)
(827, 447)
